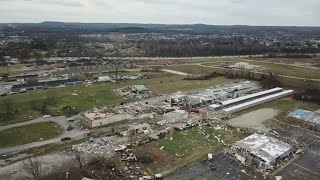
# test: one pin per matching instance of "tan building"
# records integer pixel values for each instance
(97, 119)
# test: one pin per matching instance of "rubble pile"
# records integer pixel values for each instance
(95, 146)
(137, 110)
(129, 159)
(135, 92)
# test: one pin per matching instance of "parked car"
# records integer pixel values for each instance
(65, 138)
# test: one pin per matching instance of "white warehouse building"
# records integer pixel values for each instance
(244, 102)
(261, 151)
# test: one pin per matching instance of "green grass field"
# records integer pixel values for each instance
(185, 143)
(175, 83)
(86, 98)
(276, 68)
(185, 147)
(284, 105)
(29, 133)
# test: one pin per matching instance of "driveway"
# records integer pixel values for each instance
(76, 133)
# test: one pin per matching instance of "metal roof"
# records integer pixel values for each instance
(264, 147)
(250, 96)
(255, 101)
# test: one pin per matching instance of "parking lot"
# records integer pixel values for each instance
(226, 169)
(307, 166)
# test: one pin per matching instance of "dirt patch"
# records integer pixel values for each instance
(158, 154)
(254, 119)
(162, 160)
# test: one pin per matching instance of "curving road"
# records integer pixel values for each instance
(76, 133)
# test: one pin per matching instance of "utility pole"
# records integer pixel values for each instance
(116, 63)
(116, 72)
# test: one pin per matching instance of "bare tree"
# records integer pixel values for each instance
(24, 55)
(78, 158)
(105, 169)
(33, 169)
(9, 109)
(131, 134)
(37, 55)
(42, 104)
(4, 66)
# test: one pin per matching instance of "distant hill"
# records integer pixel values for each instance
(135, 27)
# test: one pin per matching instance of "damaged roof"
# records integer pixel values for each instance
(305, 115)
(264, 147)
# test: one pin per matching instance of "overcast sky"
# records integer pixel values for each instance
(220, 12)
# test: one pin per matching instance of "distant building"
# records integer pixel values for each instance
(45, 84)
(260, 151)
(243, 65)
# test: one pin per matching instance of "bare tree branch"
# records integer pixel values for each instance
(33, 169)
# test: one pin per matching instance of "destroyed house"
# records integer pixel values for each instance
(260, 151)
(175, 116)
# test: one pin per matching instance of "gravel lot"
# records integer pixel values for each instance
(254, 119)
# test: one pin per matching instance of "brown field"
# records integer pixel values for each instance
(308, 62)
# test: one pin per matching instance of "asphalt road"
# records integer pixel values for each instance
(61, 120)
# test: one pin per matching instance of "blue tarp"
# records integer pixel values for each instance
(302, 114)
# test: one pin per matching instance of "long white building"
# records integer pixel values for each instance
(256, 102)
(244, 102)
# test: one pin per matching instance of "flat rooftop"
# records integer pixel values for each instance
(264, 147)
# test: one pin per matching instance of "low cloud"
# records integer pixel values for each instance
(227, 12)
